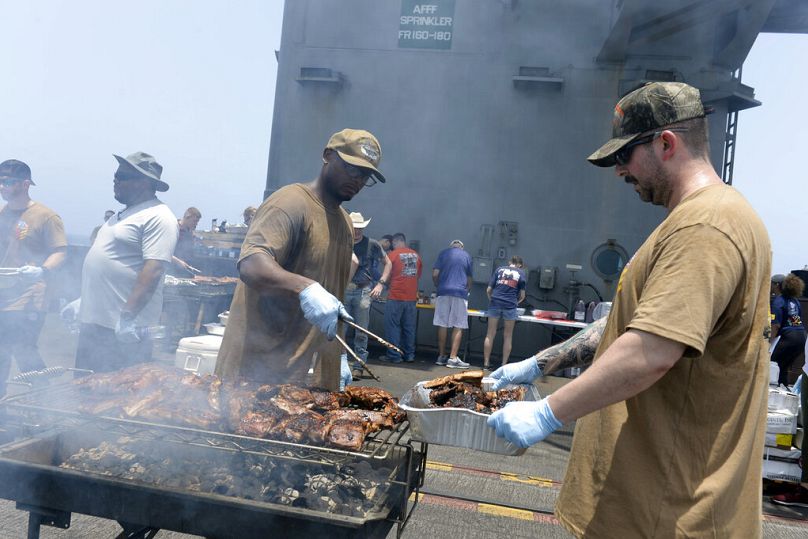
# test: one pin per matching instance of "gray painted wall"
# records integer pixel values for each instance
(463, 145)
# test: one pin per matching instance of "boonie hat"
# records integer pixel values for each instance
(359, 221)
(359, 148)
(778, 278)
(145, 165)
(653, 106)
(11, 169)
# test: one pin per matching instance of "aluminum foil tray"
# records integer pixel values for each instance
(455, 426)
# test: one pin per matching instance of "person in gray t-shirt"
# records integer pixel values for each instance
(122, 277)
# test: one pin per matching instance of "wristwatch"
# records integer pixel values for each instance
(382, 282)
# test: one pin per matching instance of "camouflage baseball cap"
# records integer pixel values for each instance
(359, 148)
(654, 105)
(11, 169)
(145, 165)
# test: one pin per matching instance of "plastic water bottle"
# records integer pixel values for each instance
(580, 311)
(590, 310)
(774, 374)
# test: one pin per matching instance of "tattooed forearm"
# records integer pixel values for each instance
(577, 351)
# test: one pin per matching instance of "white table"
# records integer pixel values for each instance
(476, 313)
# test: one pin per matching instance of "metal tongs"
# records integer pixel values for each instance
(357, 327)
(29, 378)
(356, 358)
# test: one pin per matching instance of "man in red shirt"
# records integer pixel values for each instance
(399, 311)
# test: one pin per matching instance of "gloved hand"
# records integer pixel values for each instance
(125, 330)
(345, 376)
(70, 312)
(31, 274)
(525, 423)
(523, 372)
(322, 309)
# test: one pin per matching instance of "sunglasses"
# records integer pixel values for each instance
(623, 155)
(358, 173)
(8, 182)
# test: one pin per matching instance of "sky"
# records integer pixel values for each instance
(192, 82)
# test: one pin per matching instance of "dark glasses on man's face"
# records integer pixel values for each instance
(357, 173)
(8, 182)
(623, 155)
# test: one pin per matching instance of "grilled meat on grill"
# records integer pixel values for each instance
(281, 412)
(369, 398)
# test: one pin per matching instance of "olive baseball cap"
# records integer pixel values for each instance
(11, 169)
(648, 108)
(145, 165)
(359, 148)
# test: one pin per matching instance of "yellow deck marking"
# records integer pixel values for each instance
(505, 476)
(430, 465)
(508, 512)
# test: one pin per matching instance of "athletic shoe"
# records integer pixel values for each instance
(409, 359)
(388, 359)
(457, 363)
(796, 499)
(357, 372)
(441, 361)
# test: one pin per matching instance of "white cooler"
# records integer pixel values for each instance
(198, 354)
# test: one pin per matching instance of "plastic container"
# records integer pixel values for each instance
(198, 354)
(457, 427)
(774, 373)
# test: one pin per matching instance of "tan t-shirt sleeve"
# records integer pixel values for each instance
(54, 232)
(273, 231)
(696, 272)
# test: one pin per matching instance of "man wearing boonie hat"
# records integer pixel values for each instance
(294, 264)
(452, 277)
(369, 279)
(122, 276)
(671, 413)
(32, 245)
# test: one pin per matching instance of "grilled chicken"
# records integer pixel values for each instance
(471, 377)
(158, 394)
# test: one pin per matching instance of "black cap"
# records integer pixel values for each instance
(15, 170)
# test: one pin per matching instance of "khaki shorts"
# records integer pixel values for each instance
(451, 312)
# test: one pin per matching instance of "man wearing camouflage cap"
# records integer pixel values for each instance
(122, 276)
(672, 411)
(294, 264)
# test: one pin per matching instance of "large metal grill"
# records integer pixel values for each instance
(51, 414)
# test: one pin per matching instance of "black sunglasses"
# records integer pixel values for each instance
(623, 155)
(8, 182)
(359, 173)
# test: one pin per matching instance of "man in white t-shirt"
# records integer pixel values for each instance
(122, 278)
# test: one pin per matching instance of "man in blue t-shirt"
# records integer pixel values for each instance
(505, 291)
(452, 277)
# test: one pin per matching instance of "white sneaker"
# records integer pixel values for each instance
(457, 363)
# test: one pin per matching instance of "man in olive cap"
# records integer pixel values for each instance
(32, 245)
(671, 413)
(122, 277)
(294, 264)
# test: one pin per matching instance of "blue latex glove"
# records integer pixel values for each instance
(525, 423)
(523, 372)
(31, 273)
(125, 330)
(345, 376)
(322, 309)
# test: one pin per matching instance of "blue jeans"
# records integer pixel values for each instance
(357, 302)
(399, 327)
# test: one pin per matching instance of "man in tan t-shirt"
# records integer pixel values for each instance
(32, 245)
(671, 414)
(294, 264)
